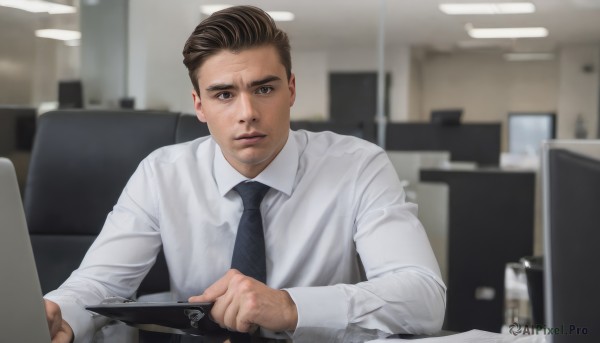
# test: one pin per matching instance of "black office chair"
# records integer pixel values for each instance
(80, 164)
(190, 128)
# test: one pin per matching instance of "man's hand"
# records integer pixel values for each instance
(60, 330)
(242, 303)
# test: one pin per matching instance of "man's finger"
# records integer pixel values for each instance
(216, 290)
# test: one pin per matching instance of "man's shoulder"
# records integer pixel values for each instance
(181, 151)
(332, 144)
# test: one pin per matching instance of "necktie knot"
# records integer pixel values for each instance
(252, 194)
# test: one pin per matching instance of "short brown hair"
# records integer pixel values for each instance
(234, 28)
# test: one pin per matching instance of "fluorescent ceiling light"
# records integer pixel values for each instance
(488, 8)
(281, 15)
(528, 56)
(276, 15)
(38, 6)
(66, 35)
(210, 9)
(512, 32)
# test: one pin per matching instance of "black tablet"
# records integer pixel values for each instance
(190, 318)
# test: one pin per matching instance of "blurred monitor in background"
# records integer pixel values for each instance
(446, 117)
(526, 131)
(70, 94)
(127, 103)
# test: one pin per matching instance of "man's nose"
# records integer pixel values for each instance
(247, 109)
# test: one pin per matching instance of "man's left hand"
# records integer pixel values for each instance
(242, 303)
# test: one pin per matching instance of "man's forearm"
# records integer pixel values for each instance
(407, 301)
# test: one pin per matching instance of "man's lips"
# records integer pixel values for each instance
(249, 136)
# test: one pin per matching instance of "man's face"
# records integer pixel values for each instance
(245, 99)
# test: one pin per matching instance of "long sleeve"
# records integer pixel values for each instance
(118, 259)
(404, 292)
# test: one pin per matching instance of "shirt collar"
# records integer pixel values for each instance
(279, 174)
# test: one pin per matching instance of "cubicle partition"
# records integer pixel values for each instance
(491, 221)
(478, 143)
(571, 174)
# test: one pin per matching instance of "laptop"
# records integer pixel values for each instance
(24, 316)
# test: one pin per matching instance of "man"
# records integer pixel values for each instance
(327, 198)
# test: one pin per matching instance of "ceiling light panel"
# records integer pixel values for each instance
(38, 6)
(276, 15)
(512, 32)
(66, 35)
(528, 56)
(488, 8)
(281, 15)
(210, 9)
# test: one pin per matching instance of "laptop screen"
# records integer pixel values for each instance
(25, 318)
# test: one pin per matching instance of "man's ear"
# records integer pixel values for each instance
(198, 106)
(292, 87)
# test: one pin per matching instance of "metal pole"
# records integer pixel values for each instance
(380, 118)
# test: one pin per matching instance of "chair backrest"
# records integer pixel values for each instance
(190, 128)
(80, 163)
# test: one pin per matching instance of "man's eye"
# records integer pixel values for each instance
(224, 96)
(264, 90)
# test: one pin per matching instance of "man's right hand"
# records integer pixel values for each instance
(60, 330)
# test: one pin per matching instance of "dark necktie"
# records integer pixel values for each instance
(249, 250)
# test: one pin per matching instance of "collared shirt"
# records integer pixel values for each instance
(332, 198)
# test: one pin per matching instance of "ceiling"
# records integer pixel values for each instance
(349, 23)
(420, 22)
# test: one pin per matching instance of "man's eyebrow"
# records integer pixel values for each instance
(224, 86)
(219, 87)
(267, 79)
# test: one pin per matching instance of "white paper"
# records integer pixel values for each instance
(473, 336)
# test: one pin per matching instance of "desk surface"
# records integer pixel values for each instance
(153, 334)
(352, 334)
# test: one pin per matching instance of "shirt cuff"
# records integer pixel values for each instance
(319, 307)
(79, 319)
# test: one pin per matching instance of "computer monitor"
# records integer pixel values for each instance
(70, 94)
(526, 131)
(571, 176)
(446, 117)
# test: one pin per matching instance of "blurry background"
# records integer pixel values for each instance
(511, 93)
(132, 49)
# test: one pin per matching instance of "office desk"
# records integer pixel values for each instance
(357, 335)
(350, 334)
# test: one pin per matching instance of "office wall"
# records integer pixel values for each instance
(16, 57)
(157, 31)
(104, 52)
(415, 91)
(486, 86)
(312, 86)
(30, 67)
(579, 89)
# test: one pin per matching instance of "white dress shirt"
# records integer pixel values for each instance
(331, 197)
